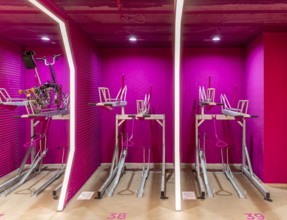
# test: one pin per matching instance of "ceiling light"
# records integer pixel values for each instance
(133, 38)
(45, 38)
(216, 38)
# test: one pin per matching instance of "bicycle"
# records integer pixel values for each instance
(60, 99)
(42, 95)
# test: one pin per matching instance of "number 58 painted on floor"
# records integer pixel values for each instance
(255, 216)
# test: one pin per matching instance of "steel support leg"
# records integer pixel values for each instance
(203, 167)
(27, 175)
(119, 173)
(197, 163)
(248, 171)
(144, 178)
(230, 177)
(54, 177)
(162, 190)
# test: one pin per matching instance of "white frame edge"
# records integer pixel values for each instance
(177, 54)
(68, 51)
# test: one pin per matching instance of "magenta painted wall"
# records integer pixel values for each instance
(255, 94)
(142, 68)
(88, 74)
(59, 129)
(225, 66)
(275, 90)
(11, 132)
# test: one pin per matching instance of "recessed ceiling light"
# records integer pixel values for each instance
(133, 38)
(216, 38)
(45, 38)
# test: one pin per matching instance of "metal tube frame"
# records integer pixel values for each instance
(246, 166)
(247, 169)
(229, 175)
(197, 163)
(35, 167)
(28, 175)
(57, 174)
(145, 173)
(120, 169)
(118, 161)
(204, 173)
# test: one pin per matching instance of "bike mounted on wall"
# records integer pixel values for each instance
(47, 97)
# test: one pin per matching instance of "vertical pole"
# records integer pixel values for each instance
(243, 143)
(196, 147)
(163, 154)
(177, 55)
(32, 128)
(116, 149)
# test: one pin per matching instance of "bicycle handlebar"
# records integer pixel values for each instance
(55, 57)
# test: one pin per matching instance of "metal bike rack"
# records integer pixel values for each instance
(23, 175)
(118, 161)
(246, 166)
(6, 99)
(35, 167)
(56, 175)
(145, 173)
(109, 103)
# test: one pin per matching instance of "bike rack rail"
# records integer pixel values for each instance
(6, 99)
(240, 111)
(40, 142)
(109, 103)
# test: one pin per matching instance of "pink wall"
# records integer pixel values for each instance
(142, 68)
(255, 94)
(225, 66)
(11, 132)
(275, 90)
(88, 75)
(87, 66)
(59, 129)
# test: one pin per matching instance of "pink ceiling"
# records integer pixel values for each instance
(110, 22)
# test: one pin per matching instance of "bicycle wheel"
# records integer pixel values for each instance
(34, 103)
(59, 101)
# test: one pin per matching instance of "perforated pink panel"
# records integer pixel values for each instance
(88, 70)
(11, 132)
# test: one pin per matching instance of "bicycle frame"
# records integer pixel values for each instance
(40, 97)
